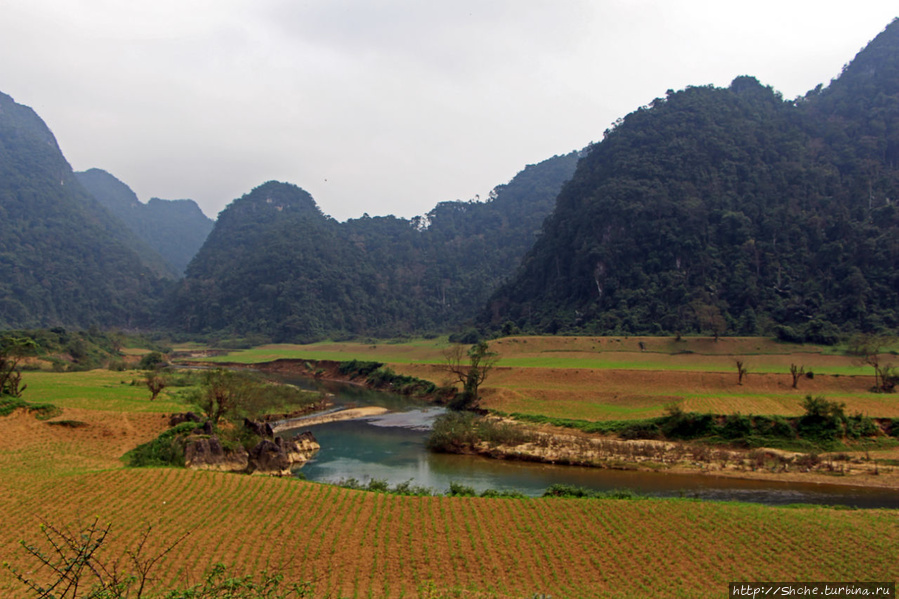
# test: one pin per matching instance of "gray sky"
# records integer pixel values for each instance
(385, 106)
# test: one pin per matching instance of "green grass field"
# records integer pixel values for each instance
(698, 354)
(98, 390)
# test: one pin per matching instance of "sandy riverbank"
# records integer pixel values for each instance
(348, 414)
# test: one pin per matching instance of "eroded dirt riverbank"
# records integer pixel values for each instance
(553, 445)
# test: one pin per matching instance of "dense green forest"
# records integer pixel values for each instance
(175, 229)
(275, 266)
(711, 210)
(64, 260)
(729, 211)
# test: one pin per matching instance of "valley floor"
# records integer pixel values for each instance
(355, 543)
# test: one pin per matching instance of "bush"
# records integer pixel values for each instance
(165, 450)
(468, 337)
(573, 491)
(152, 361)
(823, 420)
(736, 426)
(399, 383)
(774, 426)
(453, 432)
(41, 411)
(460, 490)
(641, 430)
(503, 493)
(858, 426)
(354, 368)
(688, 425)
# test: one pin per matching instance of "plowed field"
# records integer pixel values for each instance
(351, 543)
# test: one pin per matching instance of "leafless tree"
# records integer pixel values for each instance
(796, 372)
(741, 371)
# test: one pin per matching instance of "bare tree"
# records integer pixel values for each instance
(74, 566)
(470, 368)
(741, 371)
(868, 350)
(796, 372)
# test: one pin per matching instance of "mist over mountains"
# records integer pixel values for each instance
(712, 210)
(175, 229)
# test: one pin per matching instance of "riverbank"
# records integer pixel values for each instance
(552, 445)
(563, 446)
(339, 415)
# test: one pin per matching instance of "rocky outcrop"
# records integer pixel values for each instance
(275, 456)
(202, 452)
(260, 429)
(176, 419)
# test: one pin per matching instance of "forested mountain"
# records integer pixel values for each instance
(729, 211)
(175, 229)
(64, 259)
(275, 265)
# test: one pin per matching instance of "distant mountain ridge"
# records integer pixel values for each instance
(729, 211)
(176, 229)
(274, 265)
(64, 259)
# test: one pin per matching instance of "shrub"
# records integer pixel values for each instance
(164, 450)
(354, 368)
(503, 493)
(641, 430)
(454, 432)
(823, 420)
(460, 490)
(152, 361)
(736, 426)
(688, 425)
(399, 383)
(774, 426)
(573, 491)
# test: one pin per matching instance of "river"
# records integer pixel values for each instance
(391, 447)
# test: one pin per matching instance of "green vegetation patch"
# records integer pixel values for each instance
(824, 426)
(42, 411)
(165, 450)
(98, 390)
(459, 432)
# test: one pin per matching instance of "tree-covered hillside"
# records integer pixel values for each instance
(729, 211)
(274, 265)
(64, 259)
(175, 229)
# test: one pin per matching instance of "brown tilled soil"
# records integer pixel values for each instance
(621, 394)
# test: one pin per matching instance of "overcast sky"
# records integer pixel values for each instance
(385, 107)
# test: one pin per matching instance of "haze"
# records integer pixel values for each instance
(384, 107)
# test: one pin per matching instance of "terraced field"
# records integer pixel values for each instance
(611, 378)
(353, 543)
(358, 544)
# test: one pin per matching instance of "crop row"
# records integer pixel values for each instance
(367, 544)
